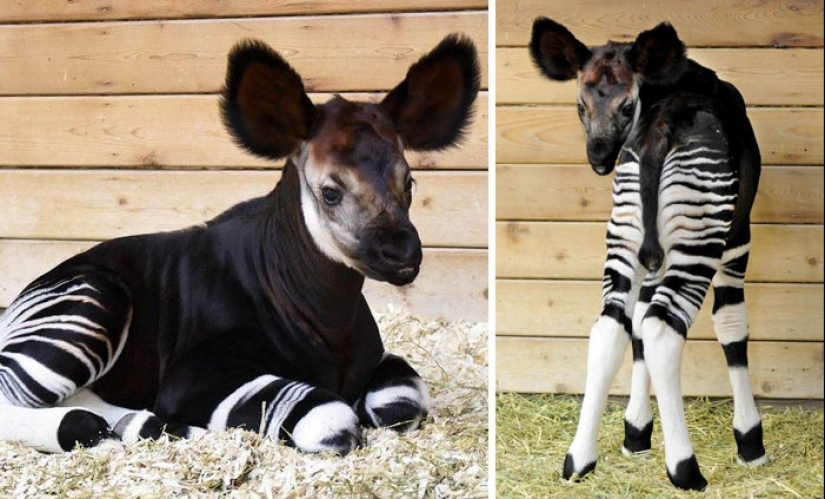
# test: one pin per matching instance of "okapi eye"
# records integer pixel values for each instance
(331, 196)
(580, 108)
(627, 111)
(409, 184)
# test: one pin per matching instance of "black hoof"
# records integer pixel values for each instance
(81, 427)
(688, 476)
(139, 425)
(635, 439)
(570, 473)
(751, 448)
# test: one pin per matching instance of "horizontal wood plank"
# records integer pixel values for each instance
(576, 250)
(449, 208)
(553, 134)
(162, 132)
(551, 365)
(96, 10)
(765, 77)
(332, 53)
(452, 282)
(787, 312)
(574, 192)
(706, 23)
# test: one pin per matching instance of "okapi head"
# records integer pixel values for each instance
(356, 186)
(609, 78)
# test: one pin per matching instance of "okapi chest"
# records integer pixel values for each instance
(258, 314)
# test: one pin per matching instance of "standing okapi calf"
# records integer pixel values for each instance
(255, 319)
(687, 173)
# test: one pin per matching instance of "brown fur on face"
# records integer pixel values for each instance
(360, 137)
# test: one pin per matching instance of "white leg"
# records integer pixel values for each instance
(53, 429)
(606, 348)
(638, 416)
(730, 321)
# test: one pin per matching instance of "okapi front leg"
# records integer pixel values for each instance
(395, 397)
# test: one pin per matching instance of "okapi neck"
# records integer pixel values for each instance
(315, 292)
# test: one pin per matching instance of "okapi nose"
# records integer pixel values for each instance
(403, 249)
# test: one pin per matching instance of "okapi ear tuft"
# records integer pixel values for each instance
(432, 107)
(555, 51)
(658, 55)
(264, 105)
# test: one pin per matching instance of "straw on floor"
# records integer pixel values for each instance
(445, 459)
(534, 431)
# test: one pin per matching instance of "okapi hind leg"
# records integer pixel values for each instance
(730, 321)
(129, 425)
(638, 418)
(608, 342)
(58, 336)
(395, 397)
(664, 331)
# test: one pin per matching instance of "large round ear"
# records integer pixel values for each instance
(658, 55)
(555, 51)
(264, 105)
(431, 108)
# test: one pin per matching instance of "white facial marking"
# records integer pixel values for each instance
(309, 207)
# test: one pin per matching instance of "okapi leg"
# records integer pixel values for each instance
(58, 336)
(127, 424)
(638, 418)
(609, 337)
(227, 383)
(664, 330)
(730, 321)
(395, 397)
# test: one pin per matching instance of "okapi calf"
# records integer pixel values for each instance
(688, 169)
(255, 319)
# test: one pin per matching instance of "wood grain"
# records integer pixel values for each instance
(556, 365)
(776, 311)
(450, 208)
(96, 10)
(158, 132)
(552, 134)
(461, 271)
(574, 192)
(190, 56)
(575, 250)
(704, 23)
(765, 77)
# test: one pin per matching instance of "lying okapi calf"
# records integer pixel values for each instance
(687, 174)
(255, 319)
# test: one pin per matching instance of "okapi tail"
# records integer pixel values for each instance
(651, 254)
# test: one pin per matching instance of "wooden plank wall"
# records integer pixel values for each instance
(111, 125)
(551, 209)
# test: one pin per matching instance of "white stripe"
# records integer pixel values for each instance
(243, 393)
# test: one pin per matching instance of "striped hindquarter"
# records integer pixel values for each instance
(697, 194)
(58, 337)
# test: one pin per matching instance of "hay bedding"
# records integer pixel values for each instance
(533, 432)
(445, 459)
